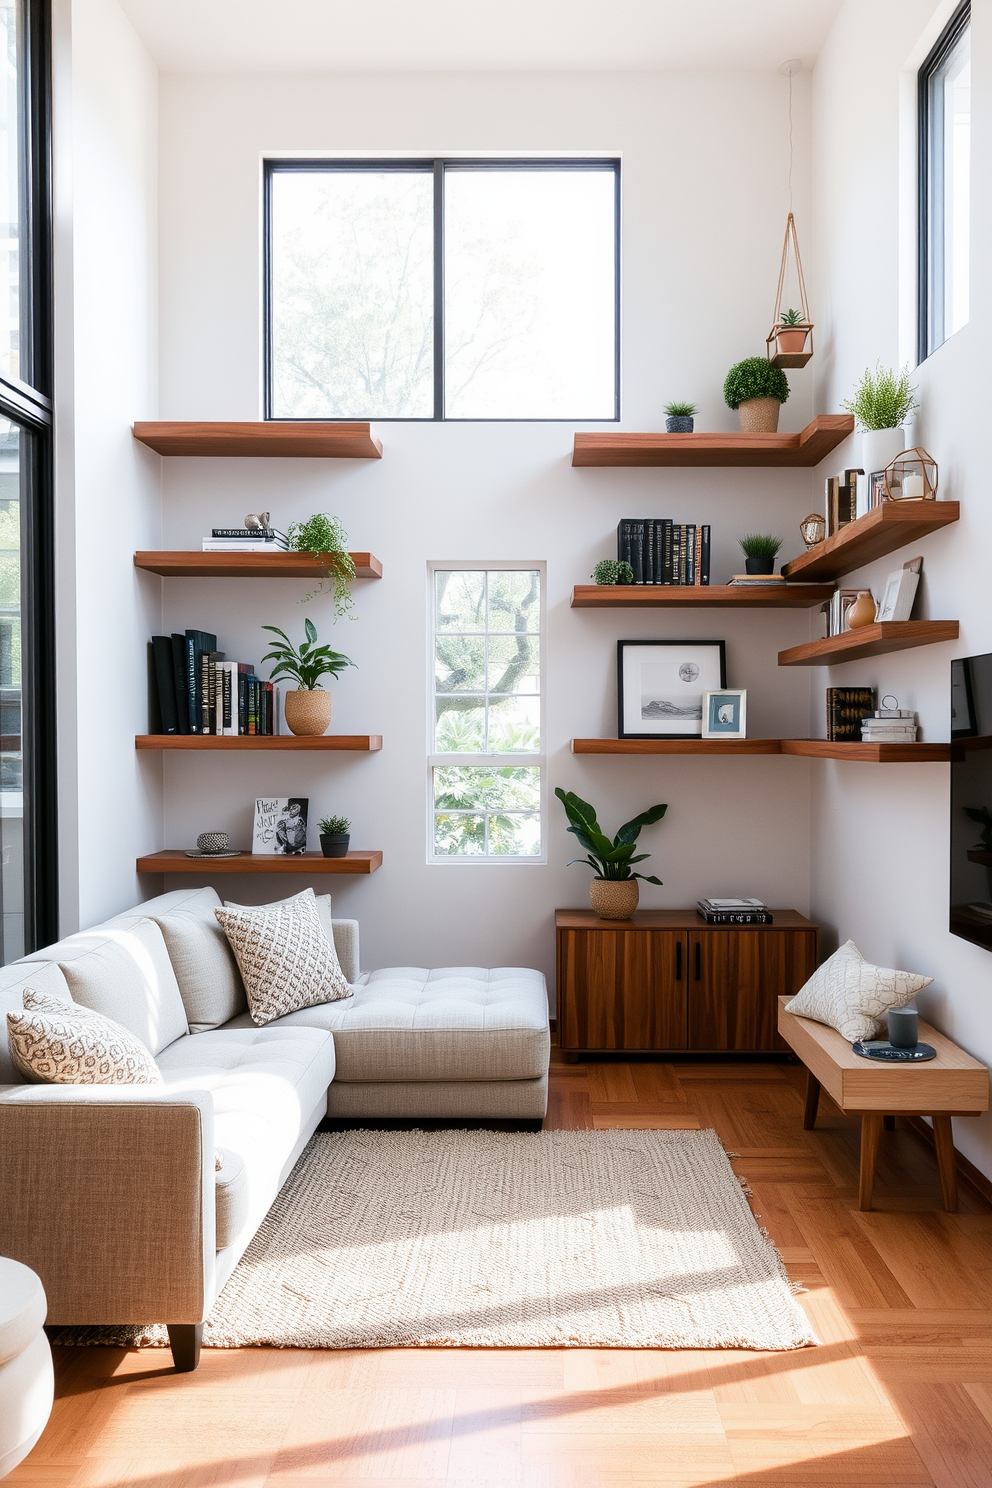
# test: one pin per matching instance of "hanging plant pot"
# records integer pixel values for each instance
(790, 342)
(759, 415)
(614, 898)
(787, 346)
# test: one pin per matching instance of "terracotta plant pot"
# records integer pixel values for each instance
(791, 340)
(614, 898)
(862, 612)
(334, 844)
(759, 415)
(308, 712)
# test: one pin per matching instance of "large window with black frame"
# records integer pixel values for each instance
(28, 877)
(944, 106)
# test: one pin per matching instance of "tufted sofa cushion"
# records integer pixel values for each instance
(456, 1023)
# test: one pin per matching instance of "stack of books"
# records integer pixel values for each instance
(851, 495)
(757, 579)
(734, 911)
(199, 692)
(663, 552)
(890, 726)
(847, 707)
(244, 540)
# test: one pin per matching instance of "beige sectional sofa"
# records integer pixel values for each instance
(112, 1194)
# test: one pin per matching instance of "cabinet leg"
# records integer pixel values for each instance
(871, 1130)
(570, 1056)
(812, 1100)
(943, 1140)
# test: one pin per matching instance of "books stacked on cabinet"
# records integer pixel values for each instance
(734, 911)
(660, 551)
(890, 726)
(245, 540)
(198, 691)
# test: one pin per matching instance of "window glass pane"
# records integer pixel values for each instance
(12, 943)
(460, 600)
(485, 809)
(11, 149)
(514, 725)
(352, 284)
(514, 664)
(515, 600)
(459, 836)
(529, 273)
(460, 663)
(515, 836)
(460, 725)
(957, 171)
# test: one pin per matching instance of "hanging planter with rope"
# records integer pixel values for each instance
(790, 340)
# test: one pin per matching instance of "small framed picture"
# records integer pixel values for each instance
(660, 686)
(900, 591)
(725, 714)
(280, 825)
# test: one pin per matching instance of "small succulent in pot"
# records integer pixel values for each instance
(335, 834)
(613, 893)
(792, 318)
(609, 571)
(760, 550)
(757, 390)
(679, 417)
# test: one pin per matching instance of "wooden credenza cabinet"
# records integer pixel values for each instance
(665, 982)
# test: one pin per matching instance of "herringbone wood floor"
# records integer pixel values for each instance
(900, 1393)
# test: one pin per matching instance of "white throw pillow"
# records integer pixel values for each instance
(58, 1043)
(851, 995)
(322, 901)
(286, 960)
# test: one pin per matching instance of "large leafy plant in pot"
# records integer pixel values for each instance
(613, 893)
(308, 707)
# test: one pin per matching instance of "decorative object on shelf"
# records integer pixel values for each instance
(259, 521)
(660, 686)
(911, 476)
(755, 580)
(679, 417)
(757, 390)
(884, 1050)
(725, 714)
(760, 550)
(904, 1027)
(847, 707)
(862, 611)
(197, 852)
(789, 343)
(213, 842)
(813, 529)
(325, 538)
(308, 707)
(883, 401)
(614, 892)
(335, 835)
(900, 592)
(280, 825)
(890, 724)
(838, 610)
(734, 912)
(612, 571)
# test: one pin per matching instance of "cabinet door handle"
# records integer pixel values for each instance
(699, 972)
(678, 960)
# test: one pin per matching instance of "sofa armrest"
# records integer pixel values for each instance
(108, 1194)
(346, 945)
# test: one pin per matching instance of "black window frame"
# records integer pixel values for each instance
(926, 164)
(439, 167)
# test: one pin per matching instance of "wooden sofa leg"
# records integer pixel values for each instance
(185, 1340)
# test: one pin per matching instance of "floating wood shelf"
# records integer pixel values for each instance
(358, 743)
(809, 447)
(173, 860)
(870, 640)
(888, 527)
(676, 746)
(269, 439)
(699, 597)
(278, 565)
(877, 754)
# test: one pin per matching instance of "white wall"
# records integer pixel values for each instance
(880, 835)
(107, 487)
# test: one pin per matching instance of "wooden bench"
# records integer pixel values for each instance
(953, 1084)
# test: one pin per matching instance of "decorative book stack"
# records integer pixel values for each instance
(846, 708)
(197, 691)
(663, 552)
(890, 726)
(733, 911)
(244, 540)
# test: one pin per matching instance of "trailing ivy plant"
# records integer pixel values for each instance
(326, 538)
(755, 377)
(307, 665)
(883, 399)
(608, 859)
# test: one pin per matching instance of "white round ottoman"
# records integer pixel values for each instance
(27, 1384)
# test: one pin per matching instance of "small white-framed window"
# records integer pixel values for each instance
(486, 764)
(945, 184)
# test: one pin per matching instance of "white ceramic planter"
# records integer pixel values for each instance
(880, 446)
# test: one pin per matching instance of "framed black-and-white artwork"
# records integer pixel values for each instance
(660, 686)
(725, 713)
(280, 825)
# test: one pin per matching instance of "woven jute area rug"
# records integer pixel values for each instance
(622, 1239)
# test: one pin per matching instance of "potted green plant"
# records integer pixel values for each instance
(679, 417)
(760, 550)
(307, 707)
(883, 400)
(613, 893)
(757, 390)
(334, 836)
(609, 571)
(326, 539)
(790, 336)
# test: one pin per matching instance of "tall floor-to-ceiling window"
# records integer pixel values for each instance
(28, 880)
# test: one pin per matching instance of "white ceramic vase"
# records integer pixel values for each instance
(880, 446)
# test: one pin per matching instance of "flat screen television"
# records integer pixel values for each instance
(971, 799)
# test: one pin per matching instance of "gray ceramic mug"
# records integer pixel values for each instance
(904, 1028)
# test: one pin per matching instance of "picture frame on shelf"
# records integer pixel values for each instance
(899, 593)
(725, 713)
(660, 686)
(280, 825)
(876, 489)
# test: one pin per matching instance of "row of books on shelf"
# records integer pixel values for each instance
(660, 551)
(851, 495)
(852, 716)
(245, 540)
(198, 691)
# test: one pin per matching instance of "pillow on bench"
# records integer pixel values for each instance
(851, 995)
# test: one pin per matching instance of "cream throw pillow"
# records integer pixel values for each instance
(284, 956)
(851, 995)
(58, 1043)
(322, 901)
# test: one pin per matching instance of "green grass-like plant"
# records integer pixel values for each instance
(307, 665)
(792, 318)
(755, 377)
(609, 571)
(334, 826)
(883, 399)
(760, 545)
(608, 859)
(325, 537)
(681, 410)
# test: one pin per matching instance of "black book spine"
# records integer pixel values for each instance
(637, 551)
(690, 553)
(666, 547)
(192, 698)
(165, 684)
(242, 704)
(179, 681)
(704, 561)
(648, 559)
(659, 552)
(624, 543)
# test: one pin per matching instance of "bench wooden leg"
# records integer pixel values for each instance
(871, 1130)
(812, 1101)
(888, 1123)
(943, 1140)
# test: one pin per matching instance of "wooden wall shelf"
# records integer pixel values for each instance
(357, 743)
(890, 526)
(278, 565)
(268, 439)
(870, 640)
(676, 746)
(699, 597)
(874, 754)
(173, 860)
(878, 754)
(807, 448)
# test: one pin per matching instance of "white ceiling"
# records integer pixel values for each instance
(469, 35)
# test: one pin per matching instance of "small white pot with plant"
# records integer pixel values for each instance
(308, 706)
(883, 401)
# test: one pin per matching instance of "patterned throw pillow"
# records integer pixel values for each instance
(285, 960)
(58, 1043)
(851, 995)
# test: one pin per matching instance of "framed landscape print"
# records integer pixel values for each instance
(660, 686)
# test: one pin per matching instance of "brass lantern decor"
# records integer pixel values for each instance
(790, 340)
(813, 529)
(911, 476)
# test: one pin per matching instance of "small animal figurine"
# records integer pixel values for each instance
(258, 521)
